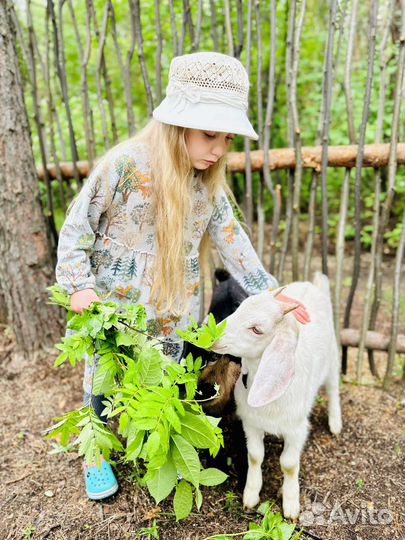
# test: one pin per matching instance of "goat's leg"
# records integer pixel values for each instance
(255, 448)
(290, 465)
(332, 389)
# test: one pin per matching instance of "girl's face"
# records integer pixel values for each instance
(206, 147)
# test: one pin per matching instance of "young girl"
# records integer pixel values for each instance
(139, 227)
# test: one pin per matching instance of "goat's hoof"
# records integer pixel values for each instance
(335, 425)
(250, 499)
(291, 508)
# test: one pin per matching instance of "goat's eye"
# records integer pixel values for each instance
(256, 330)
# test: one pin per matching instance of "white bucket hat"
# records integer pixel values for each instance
(207, 90)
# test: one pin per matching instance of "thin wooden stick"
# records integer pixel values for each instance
(386, 207)
(141, 55)
(357, 218)
(228, 26)
(248, 168)
(39, 124)
(396, 304)
(239, 46)
(60, 64)
(214, 25)
(125, 68)
(327, 102)
(267, 139)
(297, 145)
(259, 100)
(369, 294)
(174, 28)
(290, 173)
(84, 89)
(340, 249)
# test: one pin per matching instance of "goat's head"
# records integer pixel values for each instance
(259, 329)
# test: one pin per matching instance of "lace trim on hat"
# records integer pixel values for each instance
(190, 92)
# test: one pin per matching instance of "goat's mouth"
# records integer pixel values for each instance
(218, 348)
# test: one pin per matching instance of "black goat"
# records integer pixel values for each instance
(224, 370)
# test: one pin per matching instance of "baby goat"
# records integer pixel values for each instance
(285, 363)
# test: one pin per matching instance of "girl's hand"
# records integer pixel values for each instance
(301, 314)
(81, 300)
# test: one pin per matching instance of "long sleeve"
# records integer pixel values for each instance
(77, 236)
(235, 248)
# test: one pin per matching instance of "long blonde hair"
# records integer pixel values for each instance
(172, 173)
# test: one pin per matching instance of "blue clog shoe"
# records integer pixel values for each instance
(100, 482)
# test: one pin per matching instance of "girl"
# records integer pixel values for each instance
(140, 225)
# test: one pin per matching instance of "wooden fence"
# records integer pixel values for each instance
(95, 70)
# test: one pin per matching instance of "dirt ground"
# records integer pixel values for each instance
(352, 487)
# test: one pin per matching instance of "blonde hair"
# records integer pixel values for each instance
(172, 173)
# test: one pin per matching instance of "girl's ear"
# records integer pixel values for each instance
(276, 369)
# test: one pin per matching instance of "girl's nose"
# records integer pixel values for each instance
(219, 150)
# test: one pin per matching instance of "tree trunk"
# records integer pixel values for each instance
(26, 267)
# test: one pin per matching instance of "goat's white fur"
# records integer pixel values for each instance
(289, 376)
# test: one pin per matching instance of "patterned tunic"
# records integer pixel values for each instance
(108, 241)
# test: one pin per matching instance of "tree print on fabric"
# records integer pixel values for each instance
(200, 208)
(199, 229)
(230, 231)
(256, 280)
(100, 258)
(114, 217)
(75, 274)
(129, 268)
(221, 210)
(142, 214)
(131, 179)
(116, 268)
(192, 268)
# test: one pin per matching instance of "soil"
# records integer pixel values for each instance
(352, 486)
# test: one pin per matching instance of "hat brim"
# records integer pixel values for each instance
(210, 116)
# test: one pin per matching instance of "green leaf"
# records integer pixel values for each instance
(283, 531)
(153, 444)
(173, 418)
(134, 448)
(197, 431)
(186, 459)
(198, 498)
(183, 500)
(255, 533)
(104, 377)
(162, 481)
(124, 338)
(212, 477)
(150, 368)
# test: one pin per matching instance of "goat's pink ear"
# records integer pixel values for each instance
(276, 369)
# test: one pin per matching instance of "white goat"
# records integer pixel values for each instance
(286, 362)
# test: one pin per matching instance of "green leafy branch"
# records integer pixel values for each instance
(161, 422)
(272, 527)
(203, 336)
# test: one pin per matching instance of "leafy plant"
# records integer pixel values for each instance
(161, 420)
(149, 532)
(29, 531)
(272, 527)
